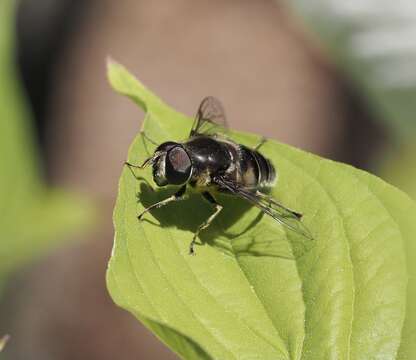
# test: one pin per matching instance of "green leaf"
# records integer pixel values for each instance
(243, 296)
(33, 217)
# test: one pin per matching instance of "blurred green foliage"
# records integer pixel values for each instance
(400, 168)
(33, 216)
(373, 45)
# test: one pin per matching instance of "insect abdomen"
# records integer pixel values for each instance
(266, 170)
(256, 170)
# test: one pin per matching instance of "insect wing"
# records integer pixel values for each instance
(210, 118)
(287, 218)
(278, 212)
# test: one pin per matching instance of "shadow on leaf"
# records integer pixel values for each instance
(254, 235)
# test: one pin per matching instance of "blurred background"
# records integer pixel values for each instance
(332, 77)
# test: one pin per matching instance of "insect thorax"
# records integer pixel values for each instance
(239, 164)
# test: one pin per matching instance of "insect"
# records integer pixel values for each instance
(211, 163)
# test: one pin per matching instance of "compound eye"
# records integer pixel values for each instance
(178, 166)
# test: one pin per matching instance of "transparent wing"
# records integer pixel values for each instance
(210, 118)
(271, 207)
(285, 216)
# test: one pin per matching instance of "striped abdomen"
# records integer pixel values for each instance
(255, 170)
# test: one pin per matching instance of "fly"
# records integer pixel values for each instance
(211, 163)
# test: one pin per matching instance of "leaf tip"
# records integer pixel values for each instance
(113, 67)
(111, 63)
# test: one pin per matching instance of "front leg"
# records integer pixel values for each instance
(147, 162)
(175, 197)
(207, 222)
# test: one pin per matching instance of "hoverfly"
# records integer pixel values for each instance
(211, 163)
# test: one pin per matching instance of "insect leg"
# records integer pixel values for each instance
(207, 222)
(131, 166)
(147, 162)
(271, 200)
(179, 195)
(260, 143)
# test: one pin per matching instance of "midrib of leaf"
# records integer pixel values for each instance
(187, 308)
(350, 262)
(292, 335)
(131, 183)
(312, 348)
(165, 135)
(248, 326)
(294, 353)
